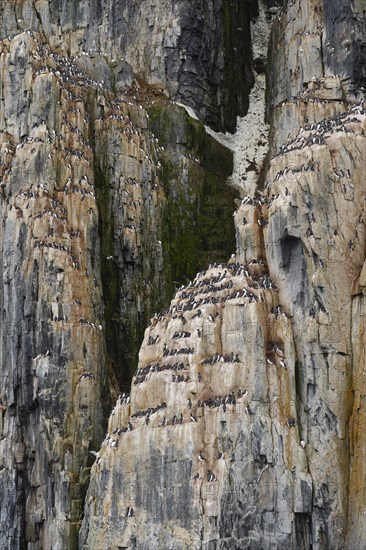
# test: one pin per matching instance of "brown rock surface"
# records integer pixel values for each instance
(292, 467)
(82, 209)
(245, 423)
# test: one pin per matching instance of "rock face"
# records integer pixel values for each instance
(245, 423)
(247, 404)
(200, 418)
(198, 51)
(87, 201)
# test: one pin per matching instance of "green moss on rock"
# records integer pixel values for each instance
(196, 228)
(109, 270)
(197, 218)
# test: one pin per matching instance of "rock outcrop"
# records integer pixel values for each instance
(87, 201)
(200, 417)
(243, 387)
(198, 52)
(244, 424)
(248, 413)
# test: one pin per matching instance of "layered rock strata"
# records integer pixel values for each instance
(244, 427)
(198, 52)
(82, 209)
(286, 471)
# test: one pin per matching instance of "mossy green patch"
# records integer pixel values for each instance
(109, 270)
(197, 218)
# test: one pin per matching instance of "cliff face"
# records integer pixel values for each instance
(190, 49)
(89, 197)
(244, 423)
(246, 409)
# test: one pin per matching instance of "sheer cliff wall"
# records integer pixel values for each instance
(247, 406)
(99, 221)
(199, 52)
(244, 424)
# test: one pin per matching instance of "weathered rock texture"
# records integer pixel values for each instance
(201, 420)
(89, 197)
(248, 415)
(245, 423)
(199, 52)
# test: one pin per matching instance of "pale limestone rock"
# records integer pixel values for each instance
(208, 347)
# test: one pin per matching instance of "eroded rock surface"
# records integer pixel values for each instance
(198, 52)
(205, 408)
(272, 454)
(85, 185)
(245, 423)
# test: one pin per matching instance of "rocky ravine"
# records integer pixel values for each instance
(244, 426)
